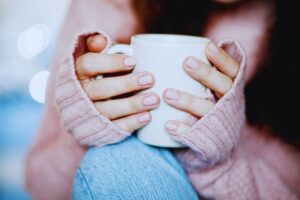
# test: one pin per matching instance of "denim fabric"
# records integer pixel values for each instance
(131, 170)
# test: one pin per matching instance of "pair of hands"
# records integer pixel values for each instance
(133, 112)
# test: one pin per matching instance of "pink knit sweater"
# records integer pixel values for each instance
(227, 158)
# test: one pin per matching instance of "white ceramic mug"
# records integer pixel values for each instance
(163, 56)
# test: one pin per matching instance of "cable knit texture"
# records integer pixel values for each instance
(78, 113)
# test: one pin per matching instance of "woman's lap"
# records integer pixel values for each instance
(131, 170)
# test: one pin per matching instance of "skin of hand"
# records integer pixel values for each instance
(218, 78)
(132, 113)
(129, 113)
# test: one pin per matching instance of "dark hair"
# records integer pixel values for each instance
(271, 96)
(172, 16)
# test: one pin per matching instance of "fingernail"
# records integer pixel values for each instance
(129, 62)
(143, 118)
(171, 126)
(213, 48)
(150, 100)
(191, 63)
(145, 80)
(172, 94)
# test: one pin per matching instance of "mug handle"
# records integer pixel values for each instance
(121, 48)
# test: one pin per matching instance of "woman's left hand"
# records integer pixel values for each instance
(218, 78)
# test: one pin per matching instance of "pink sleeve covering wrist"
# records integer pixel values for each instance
(78, 113)
(214, 136)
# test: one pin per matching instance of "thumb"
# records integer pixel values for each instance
(96, 43)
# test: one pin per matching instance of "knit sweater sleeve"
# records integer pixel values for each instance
(252, 172)
(78, 113)
(224, 162)
(214, 136)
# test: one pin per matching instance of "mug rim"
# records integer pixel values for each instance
(180, 39)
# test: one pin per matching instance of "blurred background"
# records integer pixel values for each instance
(28, 32)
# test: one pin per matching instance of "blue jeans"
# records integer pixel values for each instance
(131, 170)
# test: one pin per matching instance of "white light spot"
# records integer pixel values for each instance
(37, 86)
(34, 40)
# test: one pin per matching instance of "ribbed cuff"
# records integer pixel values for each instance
(214, 136)
(78, 113)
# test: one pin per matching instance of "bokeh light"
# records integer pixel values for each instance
(28, 38)
(37, 86)
(34, 40)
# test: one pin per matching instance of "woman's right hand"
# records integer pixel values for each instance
(130, 113)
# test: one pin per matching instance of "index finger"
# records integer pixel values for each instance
(93, 64)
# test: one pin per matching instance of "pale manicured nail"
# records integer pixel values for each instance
(143, 118)
(145, 80)
(172, 94)
(192, 64)
(150, 100)
(213, 48)
(129, 62)
(171, 126)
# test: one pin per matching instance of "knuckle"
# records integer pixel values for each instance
(225, 58)
(128, 82)
(205, 107)
(226, 86)
(101, 90)
(208, 72)
(190, 103)
(82, 62)
(185, 101)
(112, 60)
(130, 126)
(116, 60)
(230, 64)
(133, 104)
(95, 90)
